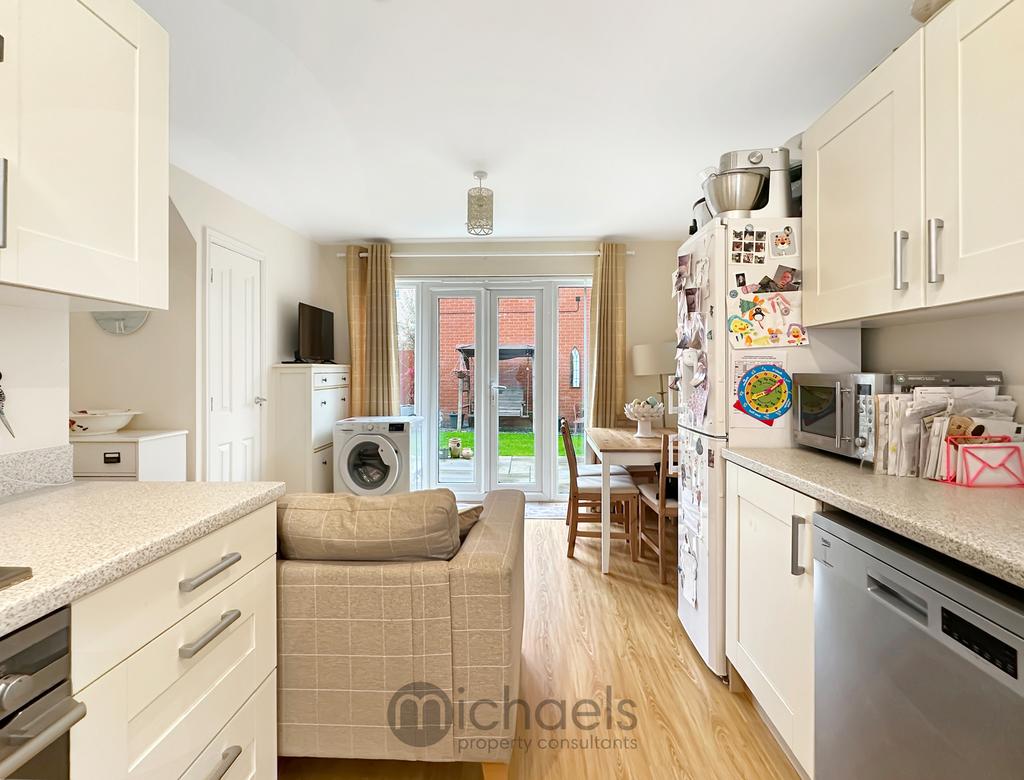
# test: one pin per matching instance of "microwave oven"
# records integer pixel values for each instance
(836, 412)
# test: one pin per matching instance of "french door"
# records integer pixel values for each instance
(489, 384)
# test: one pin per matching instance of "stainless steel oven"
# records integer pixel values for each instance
(835, 412)
(36, 707)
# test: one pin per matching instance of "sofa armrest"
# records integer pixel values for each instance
(487, 602)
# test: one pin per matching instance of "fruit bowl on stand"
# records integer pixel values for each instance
(642, 413)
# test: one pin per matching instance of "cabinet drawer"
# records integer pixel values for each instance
(323, 471)
(330, 379)
(247, 745)
(116, 620)
(101, 459)
(153, 714)
(327, 410)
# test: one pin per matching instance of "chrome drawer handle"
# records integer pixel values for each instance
(189, 650)
(794, 553)
(227, 758)
(229, 560)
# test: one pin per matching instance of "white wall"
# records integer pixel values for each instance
(987, 341)
(34, 364)
(154, 369)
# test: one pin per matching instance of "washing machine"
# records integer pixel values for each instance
(377, 456)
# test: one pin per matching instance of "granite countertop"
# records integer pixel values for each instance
(79, 537)
(982, 527)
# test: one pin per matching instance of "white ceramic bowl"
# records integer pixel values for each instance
(94, 422)
(643, 412)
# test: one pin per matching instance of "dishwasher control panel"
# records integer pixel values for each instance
(980, 642)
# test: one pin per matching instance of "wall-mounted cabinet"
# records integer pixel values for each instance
(909, 200)
(84, 133)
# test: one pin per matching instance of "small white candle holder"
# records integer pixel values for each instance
(643, 414)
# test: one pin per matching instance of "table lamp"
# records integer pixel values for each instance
(656, 360)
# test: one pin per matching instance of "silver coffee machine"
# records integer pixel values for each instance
(751, 183)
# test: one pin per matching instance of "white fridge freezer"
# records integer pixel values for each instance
(720, 338)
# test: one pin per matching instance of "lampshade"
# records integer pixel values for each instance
(480, 208)
(654, 359)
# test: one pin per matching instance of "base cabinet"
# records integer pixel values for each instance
(770, 603)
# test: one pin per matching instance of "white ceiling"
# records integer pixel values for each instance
(366, 118)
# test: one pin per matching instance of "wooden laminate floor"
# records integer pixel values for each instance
(585, 632)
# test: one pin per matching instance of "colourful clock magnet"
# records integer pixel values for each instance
(765, 393)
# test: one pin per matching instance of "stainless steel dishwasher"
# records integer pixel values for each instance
(916, 668)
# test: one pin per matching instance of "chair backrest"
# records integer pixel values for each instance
(570, 455)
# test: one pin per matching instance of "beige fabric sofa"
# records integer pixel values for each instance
(386, 659)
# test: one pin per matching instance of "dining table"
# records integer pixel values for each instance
(620, 447)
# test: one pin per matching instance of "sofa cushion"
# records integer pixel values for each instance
(338, 527)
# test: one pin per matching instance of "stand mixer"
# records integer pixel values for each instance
(751, 183)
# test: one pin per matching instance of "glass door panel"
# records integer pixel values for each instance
(456, 391)
(572, 324)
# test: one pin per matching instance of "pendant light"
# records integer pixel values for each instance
(480, 207)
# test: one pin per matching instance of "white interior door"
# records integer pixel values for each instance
(234, 365)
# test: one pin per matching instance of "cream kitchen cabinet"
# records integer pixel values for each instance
(84, 135)
(909, 200)
(769, 635)
(974, 125)
(864, 196)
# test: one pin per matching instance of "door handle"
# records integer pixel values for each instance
(898, 237)
(934, 226)
(65, 715)
(899, 598)
(259, 400)
(839, 415)
(3, 194)
(794, 546)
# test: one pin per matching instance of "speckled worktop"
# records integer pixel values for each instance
(82, 536)
(982, 527)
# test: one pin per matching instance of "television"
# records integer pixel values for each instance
(316, 335)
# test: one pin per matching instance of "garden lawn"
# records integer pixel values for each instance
(509, 442)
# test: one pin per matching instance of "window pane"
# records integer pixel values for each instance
(405, 306)
(456, 387)
(517, 338)
(573, 353)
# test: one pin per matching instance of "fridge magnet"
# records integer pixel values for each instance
(736, 257)
(683, 263)
(761, 235)
(784, 243)
(786, 279)
(741, 280)
(748, 233)
(748, 257)
(765, 393)
(734, 293)
(796, 335)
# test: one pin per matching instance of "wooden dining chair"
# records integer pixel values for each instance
(653, 496)
(585, 502)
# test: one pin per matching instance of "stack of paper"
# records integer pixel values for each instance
(911, 430)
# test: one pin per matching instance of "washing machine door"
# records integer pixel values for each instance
(369, 465)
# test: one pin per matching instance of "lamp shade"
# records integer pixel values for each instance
(654, 359)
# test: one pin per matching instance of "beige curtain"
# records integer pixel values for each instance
(373, 333)
(608, 338)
